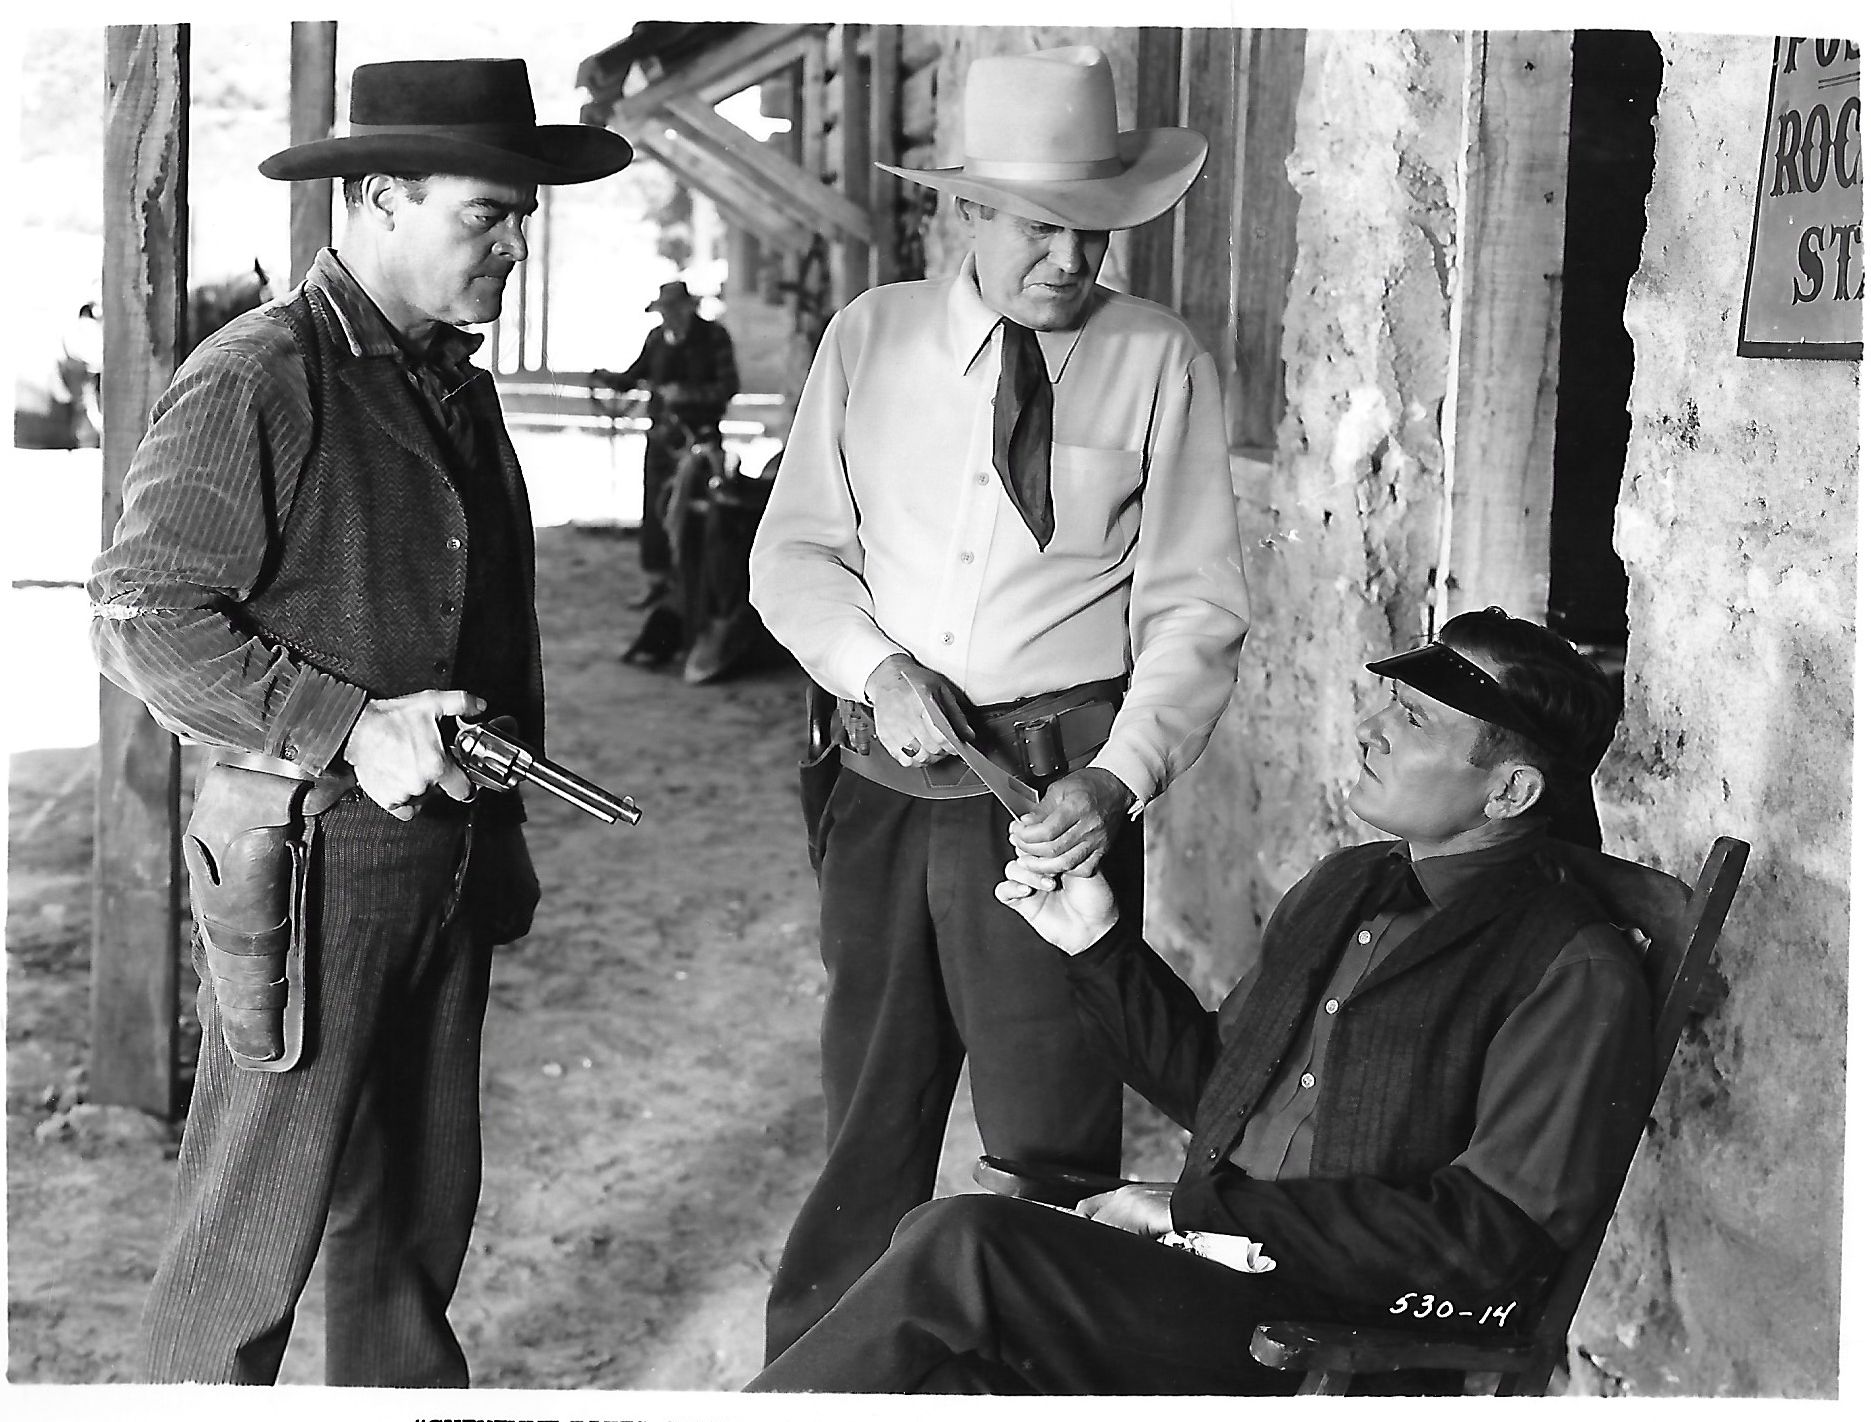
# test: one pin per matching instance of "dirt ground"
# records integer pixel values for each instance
(650, 1082)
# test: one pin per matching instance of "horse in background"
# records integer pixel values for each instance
(58, 403)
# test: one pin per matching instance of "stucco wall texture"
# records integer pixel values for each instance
(1340, 532)
(1737, 521)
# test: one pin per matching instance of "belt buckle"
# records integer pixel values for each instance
(1040, 745)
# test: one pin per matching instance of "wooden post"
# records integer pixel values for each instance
(853, 261)
(136, 866)
(1504, 361)
(314, 69)
(1159, 105)
(1212, 60)
(1266, 238)
(886, 79)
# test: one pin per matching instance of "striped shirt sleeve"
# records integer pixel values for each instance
(204, 500)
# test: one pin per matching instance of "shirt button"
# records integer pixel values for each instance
(1214, 1152)
(289, 751)
(1364, 935)
(980, 478)
(447, 605)
(1331, 1006)
(440, 665)
(948, 639)
(453, 545)
(1307, 1080)
(967, 557)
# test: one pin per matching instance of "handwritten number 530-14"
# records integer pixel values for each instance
(1427, 1306)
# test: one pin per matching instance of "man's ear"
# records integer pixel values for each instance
(382, 196)
(1517, 789)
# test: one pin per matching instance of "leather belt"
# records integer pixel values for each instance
(1039, 739)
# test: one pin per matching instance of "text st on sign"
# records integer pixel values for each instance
(1806, 270)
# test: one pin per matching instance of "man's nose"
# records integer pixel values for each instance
(1067, 250)
(1371, 731)
(512, 240)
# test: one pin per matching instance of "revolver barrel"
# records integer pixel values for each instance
(500, 763)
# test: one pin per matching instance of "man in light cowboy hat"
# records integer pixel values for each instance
(325, 550)
(688, 365)
(1415, 1102)
(1004, 513)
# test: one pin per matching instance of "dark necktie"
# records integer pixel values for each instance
(1023, 428)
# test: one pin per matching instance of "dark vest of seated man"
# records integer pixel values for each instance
(1413, 1103)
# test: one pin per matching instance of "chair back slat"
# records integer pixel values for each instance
(1682, 926)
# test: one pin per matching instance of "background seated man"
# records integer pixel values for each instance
(1423, 1090)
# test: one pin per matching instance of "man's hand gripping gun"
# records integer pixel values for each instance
(495, 760)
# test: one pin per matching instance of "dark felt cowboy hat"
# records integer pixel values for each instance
(673, 296)
(471, 117)
(1040, 140)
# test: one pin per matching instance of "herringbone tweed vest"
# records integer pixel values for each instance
(1403, 1070)
(369, 575)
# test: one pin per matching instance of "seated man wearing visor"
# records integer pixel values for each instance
(1422, 1090)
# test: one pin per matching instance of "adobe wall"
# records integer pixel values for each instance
(1340, 531)
(1737, 521)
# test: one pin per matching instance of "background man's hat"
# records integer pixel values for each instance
(672, 294)
(1040, 140)
(471, 117)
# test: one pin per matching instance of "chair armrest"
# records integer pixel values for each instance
(1347, 1348)
(1048, 1184)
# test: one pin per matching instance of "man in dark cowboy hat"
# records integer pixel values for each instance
(688, 365)
(1414, 1103)
(1004, 513)
(325, 550)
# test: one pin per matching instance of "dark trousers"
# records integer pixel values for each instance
(659, 463)
(979, 1293)
(925, 966)
(372, 1143)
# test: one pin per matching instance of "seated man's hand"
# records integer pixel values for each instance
(903, 726)
(1142, 1208)
(1076, 821)
(396, 749)
(1071, 912)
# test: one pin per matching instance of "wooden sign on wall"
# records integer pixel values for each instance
(1806, 269)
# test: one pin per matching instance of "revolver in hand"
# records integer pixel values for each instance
(494, 758)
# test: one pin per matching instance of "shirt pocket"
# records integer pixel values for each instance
(1096, 500)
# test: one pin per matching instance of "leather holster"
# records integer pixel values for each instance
(248, 847)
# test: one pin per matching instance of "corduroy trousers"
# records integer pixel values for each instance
(372, 1144)
(925, 966)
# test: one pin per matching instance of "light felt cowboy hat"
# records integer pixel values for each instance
(1040, 140)
(470, 117)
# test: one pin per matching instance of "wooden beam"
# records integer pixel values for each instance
(812, 110)
(314, 70)
(851, 262)
(745, 59)
(815, 203)
(136, 859)
(1212, 60)
(707, 174)
(1266, 238)
(885, 189)
(1504, 367)
(1152, 247)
